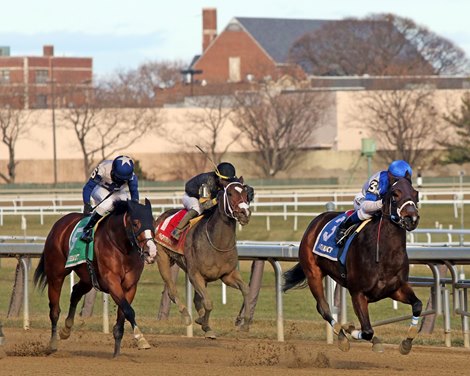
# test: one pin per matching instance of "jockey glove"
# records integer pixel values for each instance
(87, 209)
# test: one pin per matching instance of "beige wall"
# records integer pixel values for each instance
(159, 151)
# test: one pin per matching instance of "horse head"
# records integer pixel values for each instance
(401, 202)
(143, 229)
(235, 201)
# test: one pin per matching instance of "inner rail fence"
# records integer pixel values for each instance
(274, 253)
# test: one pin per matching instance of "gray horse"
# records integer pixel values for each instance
(210, 253)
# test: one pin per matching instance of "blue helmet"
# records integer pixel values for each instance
(399, 168)
(123, 168)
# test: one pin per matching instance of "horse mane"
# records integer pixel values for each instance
(120, 207)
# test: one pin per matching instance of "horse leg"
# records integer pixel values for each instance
(53, 291)
(118, 332)
(235, 280)
(405, 294)
(122, 300)
(79, 289)
(200, 288)
(314, 277)
(197, 300)
(164, 266)
(361, 308)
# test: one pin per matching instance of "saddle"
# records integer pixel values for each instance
(165, 228)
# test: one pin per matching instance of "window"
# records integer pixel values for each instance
(234, 69)
(41, 101)
(42, 76)
(4, 76)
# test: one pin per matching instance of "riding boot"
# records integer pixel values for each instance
(176, 233)
(88, 229)
(343, 227)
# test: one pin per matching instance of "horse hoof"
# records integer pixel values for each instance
(142, 344)
(405, 346)
(199, 320)
(343, 342)
(210, 335)
(377, 345)
(186, 317)
(64, 333)
(337, 328)
(244, 328)
(348, 327)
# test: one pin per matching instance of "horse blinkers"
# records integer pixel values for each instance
(143, 230)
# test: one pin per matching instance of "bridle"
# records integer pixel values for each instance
(394, 211)
(229, 212)
(137, 245)
(228, 209)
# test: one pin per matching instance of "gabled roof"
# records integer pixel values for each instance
(277, 35)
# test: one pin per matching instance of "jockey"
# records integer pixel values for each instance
(201, 191)
(107, 184)
(369, 200)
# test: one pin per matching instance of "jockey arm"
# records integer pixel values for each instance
(133, 185)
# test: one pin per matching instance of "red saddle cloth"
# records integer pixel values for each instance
(165, 228)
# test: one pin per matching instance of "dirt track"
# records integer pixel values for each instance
(91, 353)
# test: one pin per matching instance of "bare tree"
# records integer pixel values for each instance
(13, 127)
(405, 123)
(383, 44)
(278, 126)
(210, 122)
(108, 119)
(458, 147)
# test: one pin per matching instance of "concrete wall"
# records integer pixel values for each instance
(163, 153)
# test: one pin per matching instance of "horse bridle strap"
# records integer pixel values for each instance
(133, 237)
(243, 205)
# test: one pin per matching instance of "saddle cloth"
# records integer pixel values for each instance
(77, 248)
(165, 228)
(326, 246)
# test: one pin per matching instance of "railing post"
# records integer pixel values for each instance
(26, 322)
(189, 305)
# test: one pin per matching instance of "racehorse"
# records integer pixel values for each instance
(376, 266)
(210, 253)
(122, 241)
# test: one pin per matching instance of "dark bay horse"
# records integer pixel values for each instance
(122, 241)
(377, 266)
(210, 253)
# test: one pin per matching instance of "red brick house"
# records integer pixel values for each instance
(35, 81)
(249, 48)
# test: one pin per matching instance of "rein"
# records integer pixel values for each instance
(228, 211)
(133, 238)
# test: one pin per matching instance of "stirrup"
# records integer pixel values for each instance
(87, 236)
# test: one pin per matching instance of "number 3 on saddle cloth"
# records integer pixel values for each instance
(164, 229)
(326, 246)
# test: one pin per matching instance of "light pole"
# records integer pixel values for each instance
(54, 140)
(191, 73)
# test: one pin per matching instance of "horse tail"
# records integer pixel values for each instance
(294, 278)
(40, 279)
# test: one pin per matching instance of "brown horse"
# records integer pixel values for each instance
(122, 240)
(210, 253)
(376, 264)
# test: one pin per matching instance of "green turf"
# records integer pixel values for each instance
(301, 319)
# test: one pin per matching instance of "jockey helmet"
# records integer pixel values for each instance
(225, 171)
(399, 168)
(123, 168)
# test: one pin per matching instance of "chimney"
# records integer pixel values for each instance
(209, 26)
(48, 50)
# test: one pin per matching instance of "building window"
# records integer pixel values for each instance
(42, 76)
(4, 76)
(234, 74)
(41, 101)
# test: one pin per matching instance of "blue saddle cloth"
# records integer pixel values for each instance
(325, 244)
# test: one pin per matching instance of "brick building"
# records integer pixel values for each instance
(37, 81)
